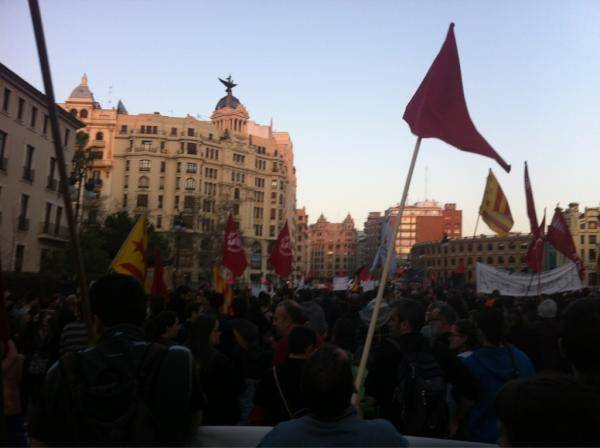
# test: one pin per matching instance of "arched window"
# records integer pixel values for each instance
(73, 112)
(190, 184)
(83, 113)
(143, 182)
(99, 136)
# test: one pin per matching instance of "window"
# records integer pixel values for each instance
(212, 153)
(34, 112)
(83, 113)
(192, 148)
(142, 200)
(147, 145)
(236, 193)
(173, 131)
(271, 231)
(237, 177)
(47, 216)
(67, 133)
(238, 158)
(123, 129)
(190, 132)
(280, 214)
(177, 183)
(2, 151)
(126, 181)
(159, 222)
(161, 183)
(162, 166)
(45, 127)
(6, 99)
(57, 220)
(143, 182)
(258, 213)
(99, 136)
(27, 171)
(273, 213)
(260, 164)
(592, 255)
(274, 183)
(176, 202)
(178, 170)
(258, 229)
(144, 165)
(190, 184)
(259, 196)
(273, 198)
(236, 209)
(19, 256)
(582, 239)
(191, 168)
(259, 182)
(592, 239)
(208, 206)
(20, 109)
(51, 182)
(210, 188)
(210, 173)
(162, 145)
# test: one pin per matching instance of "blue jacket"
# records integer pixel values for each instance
(493, 367)
(348, 430)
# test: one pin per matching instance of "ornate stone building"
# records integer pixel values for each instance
(32, 218)
(302, 265)
(585, 229)
(196, 171)
(332, 247)
(440, 259)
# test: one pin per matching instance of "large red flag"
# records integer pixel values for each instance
(159, 287)
(535, 253)
(281, 256)
(438, 109)
(560, 237)
(234, 257)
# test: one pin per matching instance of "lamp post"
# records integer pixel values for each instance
(178, 226)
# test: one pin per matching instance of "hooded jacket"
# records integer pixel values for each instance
(493, 367)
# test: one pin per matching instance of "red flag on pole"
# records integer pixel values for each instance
(281, 256)
(460, 269)
(159, 287)
(438, 108)
(560, 237)
(533, 222)
(234, 257)
(535, 252)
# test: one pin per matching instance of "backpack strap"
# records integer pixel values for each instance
(285, 403)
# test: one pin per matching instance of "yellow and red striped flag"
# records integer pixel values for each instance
(221, 284)
(494, 209)
(131, 258)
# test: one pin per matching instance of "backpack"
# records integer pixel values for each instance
(419, 396)
(116, 409)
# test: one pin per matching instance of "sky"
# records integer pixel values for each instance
(337, 76)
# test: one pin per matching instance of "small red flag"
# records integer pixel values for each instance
(4, 333)
(560, 237)
(234, 257)
(438, 108)
(535, 252)
(159, 287)
(281, 256)
(460, 269)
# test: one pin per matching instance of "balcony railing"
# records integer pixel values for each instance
(28, 174)
(145, 149)
(52, 231)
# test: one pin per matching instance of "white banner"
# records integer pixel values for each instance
(562, 279)
(369, 285)
(340, 283)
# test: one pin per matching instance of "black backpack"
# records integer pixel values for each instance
(420, 395)
(115, 410)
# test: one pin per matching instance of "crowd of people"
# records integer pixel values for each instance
(448, 364)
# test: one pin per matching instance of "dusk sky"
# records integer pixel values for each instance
(337, 76)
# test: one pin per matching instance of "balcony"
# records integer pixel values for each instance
(3, 164)
(145, 149)
(22, 223)
(28, 174)
(52, 184)
(97, 144)
(53, 232)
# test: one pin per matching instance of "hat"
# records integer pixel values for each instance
(547, 309)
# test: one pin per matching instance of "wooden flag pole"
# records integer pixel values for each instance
(476, 225)
(36, 18)
(386, 267)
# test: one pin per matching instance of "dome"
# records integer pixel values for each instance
(228, 101)
(82, 91)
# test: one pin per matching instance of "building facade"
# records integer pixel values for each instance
(585, 229)
(302, 262)
(369, 244)
(332, 247)
(190, 172)
(439, 259)
(32, 218)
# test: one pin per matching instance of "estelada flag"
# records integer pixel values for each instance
(131, 258)
(560, 237)
(494, 209)
(234, 257)
(159, 287)
(223, 287)
(281, 257)
(438, 108)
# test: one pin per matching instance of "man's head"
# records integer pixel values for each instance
(327, 382)
(118, 299)
(407, 316)
(490, 322)
(580, 341)
(441, 318)
(192, 309)
(287, 315)
(302, 341)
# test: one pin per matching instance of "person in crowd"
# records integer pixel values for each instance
(331, 421)
(315, 317)
(493, 365)
(121, 391)
(192, 311)
(163, 329)
(12, 375)
(74, 335)
(183, 294)
(580, 342)
(156, 305)
(548, 410)
(547, 330)
(218, 383)
(278, 395)
(344, 335)
(464, 338)
(257, 315)
(287, 315)
(226, 342)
